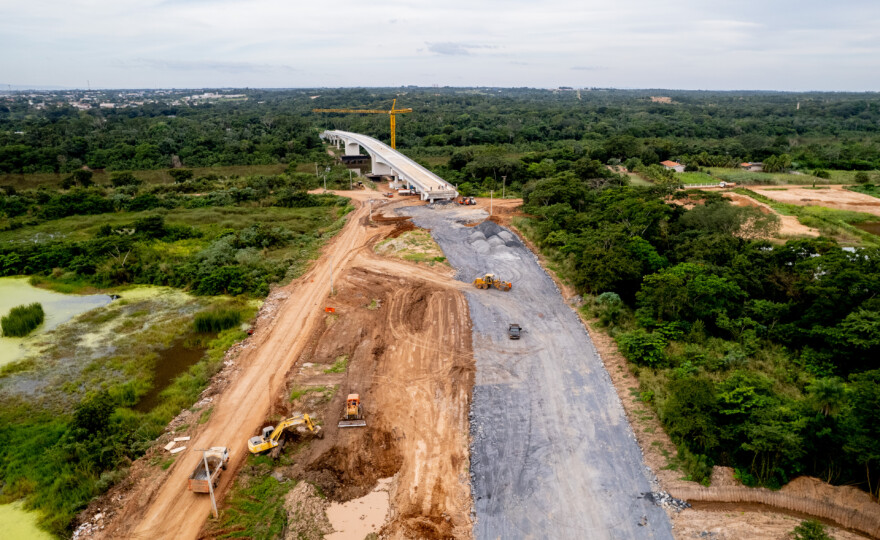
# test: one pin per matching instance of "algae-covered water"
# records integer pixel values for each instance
(17, 523)
(59, 308)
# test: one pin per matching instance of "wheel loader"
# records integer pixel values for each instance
(353, 415)
(271, 437)
(489, 280)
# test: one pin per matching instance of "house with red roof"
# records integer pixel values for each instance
(673, 165)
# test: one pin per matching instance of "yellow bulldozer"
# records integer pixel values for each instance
(489, 280)
(271, 437)
(353, 415)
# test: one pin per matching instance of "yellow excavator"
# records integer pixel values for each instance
(271, 437)
(489, 280)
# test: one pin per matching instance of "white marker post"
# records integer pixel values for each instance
(210, 482)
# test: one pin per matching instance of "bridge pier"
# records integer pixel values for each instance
(352, 148)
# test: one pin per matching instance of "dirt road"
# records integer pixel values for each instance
(552, 455)
(163, 508)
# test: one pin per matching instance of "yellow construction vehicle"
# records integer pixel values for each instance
(489, 280)
(394, 111)
(354, 413)
(271, 437)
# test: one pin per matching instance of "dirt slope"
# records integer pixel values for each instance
(162, 507)
(408, 345)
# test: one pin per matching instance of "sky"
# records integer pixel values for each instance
(678, 44)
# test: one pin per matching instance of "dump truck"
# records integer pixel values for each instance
(353, 415)
(217, 458)
(489, 280)
(514, 331)
(272, 439)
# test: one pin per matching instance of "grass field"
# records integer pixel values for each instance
(160, 176)
(691, 178)
(210, 220)
(755, 178)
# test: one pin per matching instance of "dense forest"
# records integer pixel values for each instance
(756, 355)
(817, 130)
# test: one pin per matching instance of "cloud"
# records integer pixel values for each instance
(450, 48)
(204, 65)
(588, 68)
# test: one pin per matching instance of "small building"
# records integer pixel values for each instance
(752, 166)
(673, 165)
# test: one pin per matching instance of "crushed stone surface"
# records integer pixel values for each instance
(552, 453)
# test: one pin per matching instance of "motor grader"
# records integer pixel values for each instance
(489, 280)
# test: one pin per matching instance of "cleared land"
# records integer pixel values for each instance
(788, 225)
(833, 197)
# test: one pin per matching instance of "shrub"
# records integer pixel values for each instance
(810, 530)
(180, 175)
(643, 348)
(609, 307)
(216, 320)
(22, 320)
(862, 177)
(125, 179)
(821, 173)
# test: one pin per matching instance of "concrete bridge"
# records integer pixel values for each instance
(389, 162)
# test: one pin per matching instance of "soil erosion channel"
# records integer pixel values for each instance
(553, 455)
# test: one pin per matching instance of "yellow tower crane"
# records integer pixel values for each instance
(390, 113)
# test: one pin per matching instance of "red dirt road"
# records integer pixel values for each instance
(163, 508)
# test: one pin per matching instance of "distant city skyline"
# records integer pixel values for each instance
(687, 44)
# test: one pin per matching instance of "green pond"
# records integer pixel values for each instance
(17, 523)
(59, 308)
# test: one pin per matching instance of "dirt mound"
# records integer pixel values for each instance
(306, 514)
(400, 228)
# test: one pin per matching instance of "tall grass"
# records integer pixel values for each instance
(22, 320)
(217, 320)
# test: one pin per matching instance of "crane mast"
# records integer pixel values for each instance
(392, 113)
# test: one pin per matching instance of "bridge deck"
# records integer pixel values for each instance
(429, 185)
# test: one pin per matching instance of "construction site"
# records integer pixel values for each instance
(454, 396)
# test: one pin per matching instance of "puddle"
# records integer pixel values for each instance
(171, 362)
(873, 228)
(59, 308)
(16, 522)
(359, 517)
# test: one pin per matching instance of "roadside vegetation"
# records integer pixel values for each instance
(22, 320)
(758, 356)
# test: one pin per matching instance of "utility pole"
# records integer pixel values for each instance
(349, 179)
(503, 181)
(210, 482)
(316, 169)
(325, 182)
(490, 202)
(370, 220)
